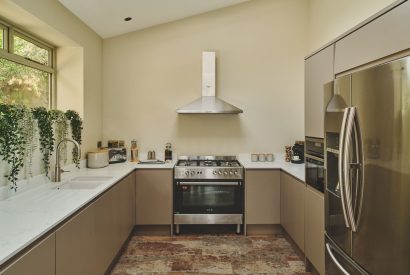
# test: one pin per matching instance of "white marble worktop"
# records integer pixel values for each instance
(296, 170)
(38, 205)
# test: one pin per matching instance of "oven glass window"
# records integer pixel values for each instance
(208, 196)
(315, 174)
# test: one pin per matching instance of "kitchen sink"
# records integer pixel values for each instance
(91, 178)
(85, 182)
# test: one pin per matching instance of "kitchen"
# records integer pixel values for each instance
(127, 80)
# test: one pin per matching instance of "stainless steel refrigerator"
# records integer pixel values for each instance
(367, 195)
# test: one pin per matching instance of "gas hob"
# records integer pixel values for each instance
(208, 168)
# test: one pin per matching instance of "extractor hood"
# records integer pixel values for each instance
(208, 103)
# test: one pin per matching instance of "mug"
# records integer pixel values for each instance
(269, 157)
(254, 157)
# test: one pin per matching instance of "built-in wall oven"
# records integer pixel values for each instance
(314, 163)
(208, 190)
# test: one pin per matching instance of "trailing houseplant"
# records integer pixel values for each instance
(76, 124)
(61, 130)
(29, 126)
(14, 126)
(46, 135)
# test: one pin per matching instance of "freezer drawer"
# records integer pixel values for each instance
(339, 263)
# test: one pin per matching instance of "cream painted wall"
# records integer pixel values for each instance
(70, 79)
(330, 18)
(260, 47)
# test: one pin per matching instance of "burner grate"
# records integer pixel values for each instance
(187, 163)
(229, 164)
(208, 163)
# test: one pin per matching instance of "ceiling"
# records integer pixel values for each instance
(106, 17)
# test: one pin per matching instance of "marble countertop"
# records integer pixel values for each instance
(296, 170)
(39, 206)
(33, 211)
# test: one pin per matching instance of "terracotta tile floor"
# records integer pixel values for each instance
(209, 254)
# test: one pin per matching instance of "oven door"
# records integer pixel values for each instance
(315, 175)
(208, 197)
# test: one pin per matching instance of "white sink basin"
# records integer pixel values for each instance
(85, 182)
(79, 185)
(91, 178)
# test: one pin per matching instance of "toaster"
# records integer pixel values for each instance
(117, 155)
(97, 158)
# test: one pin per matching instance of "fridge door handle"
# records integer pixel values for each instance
(353, 130)
(329, 250)
(350, 127)
(359, 168)
(341, 162)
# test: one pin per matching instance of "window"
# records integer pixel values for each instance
(26, 68)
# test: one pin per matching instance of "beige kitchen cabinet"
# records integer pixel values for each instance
(318, 89)
(292, 208)
(154, 197)
(88, 242)
(115, 219)
(39, 260)
(125, 214)
(262, 197)
(76, 245)
(315, 228)
(385, 35)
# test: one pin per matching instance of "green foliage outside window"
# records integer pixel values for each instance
(1, 38)
(30, 50)
(25, 69)
(21, 84)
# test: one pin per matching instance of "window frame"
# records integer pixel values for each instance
(7, 52)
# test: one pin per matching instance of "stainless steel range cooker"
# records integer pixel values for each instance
(208, 190)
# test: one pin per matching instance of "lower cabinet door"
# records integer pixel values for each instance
(154, 196)
(76, 245)
(262, 190)
(315, 228)
(39, 260)
(292, 208)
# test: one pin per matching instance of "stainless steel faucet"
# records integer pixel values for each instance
(57, 170)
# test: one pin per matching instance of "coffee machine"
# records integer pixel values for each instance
(298, 152)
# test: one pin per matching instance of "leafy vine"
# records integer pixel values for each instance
(46, 135)
(19, 126)
(14, 123)
(76, 124)
(61, 130)
(29, 127)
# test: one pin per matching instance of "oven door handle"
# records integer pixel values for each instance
(315, 158)
(219, 183)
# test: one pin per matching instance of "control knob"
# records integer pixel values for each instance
(214, 172)
(236, 173)
(225, 173)
(220, 173)
(230, 173)
(192, 173)
(187, 173)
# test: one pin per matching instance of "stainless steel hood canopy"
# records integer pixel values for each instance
(208, 103)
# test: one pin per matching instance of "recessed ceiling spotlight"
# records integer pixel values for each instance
(127, 18)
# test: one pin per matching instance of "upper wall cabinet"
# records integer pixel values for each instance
(386, 35)
(318, 78)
